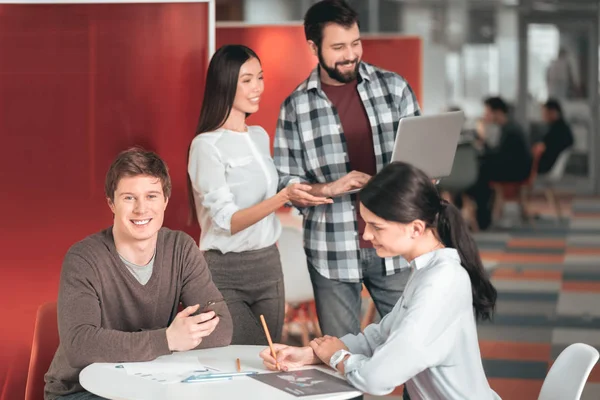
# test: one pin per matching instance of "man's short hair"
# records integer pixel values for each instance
(324, 12)
(553, 105)
(133, 162)
(496, 104)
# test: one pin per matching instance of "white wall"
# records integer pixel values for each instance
(507, 40)
(270, 11)
(417, 20)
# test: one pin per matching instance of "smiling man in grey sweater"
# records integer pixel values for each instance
(120, 289)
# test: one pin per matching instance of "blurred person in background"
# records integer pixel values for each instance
(558, 138)
(508, 160)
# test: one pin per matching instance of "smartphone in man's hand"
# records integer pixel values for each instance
(212, 305)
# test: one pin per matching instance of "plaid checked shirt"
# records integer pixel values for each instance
(310, 147)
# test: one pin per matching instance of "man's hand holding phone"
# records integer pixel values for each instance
(212, 305)
(190, 326)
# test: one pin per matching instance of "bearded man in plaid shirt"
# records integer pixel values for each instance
(335, 131)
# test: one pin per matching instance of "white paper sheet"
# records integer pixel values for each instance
(165, 369)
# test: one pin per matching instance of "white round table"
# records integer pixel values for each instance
(105, 380)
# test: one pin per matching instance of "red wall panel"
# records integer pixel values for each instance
(287, 61)
(401, 54)
(78, 84)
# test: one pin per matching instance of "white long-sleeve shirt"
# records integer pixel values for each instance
(231, 171)
(428, 341)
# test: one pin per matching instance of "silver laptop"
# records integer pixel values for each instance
(428, 142)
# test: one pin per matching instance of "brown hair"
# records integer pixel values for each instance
(133, 162)
(325, 12)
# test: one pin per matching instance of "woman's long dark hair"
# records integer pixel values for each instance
(219, 94)
(403, 193)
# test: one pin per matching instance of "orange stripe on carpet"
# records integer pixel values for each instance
(515, 351)
(537, 243)
(595, 375)
(586, 215)
(581, 286)
(522, 258)
(516, 389)
(527, 274)
(583, 251)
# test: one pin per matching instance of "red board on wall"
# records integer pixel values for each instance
(78, 84)
(400, 54)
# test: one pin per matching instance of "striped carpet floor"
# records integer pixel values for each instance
(548, 282)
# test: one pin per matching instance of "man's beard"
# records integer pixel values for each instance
(337, 75)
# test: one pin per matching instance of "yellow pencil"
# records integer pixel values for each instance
(264, 323)
(238, 365)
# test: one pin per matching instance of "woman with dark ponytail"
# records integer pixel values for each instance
(429, 340)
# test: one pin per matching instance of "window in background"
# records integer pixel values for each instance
(543, 43)
(454, 89)
(481, 70)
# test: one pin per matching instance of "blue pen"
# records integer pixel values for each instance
(198, 378)
(216, 376)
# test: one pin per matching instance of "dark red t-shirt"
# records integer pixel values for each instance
(357, 133)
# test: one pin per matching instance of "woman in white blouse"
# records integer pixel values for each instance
(233, 192)
(429, 340)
